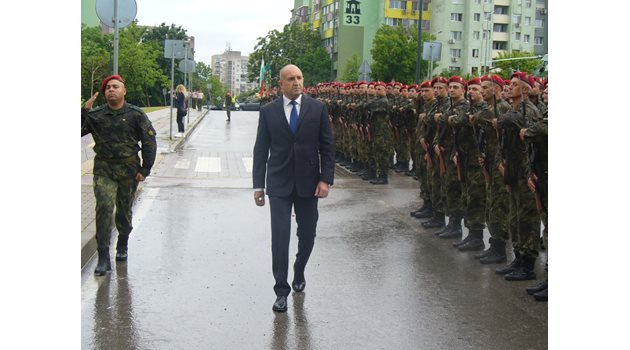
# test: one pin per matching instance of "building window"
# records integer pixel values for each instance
(455, 53)
(487, 16)
(475, 53)
(457, 36)
(397, 4)
(477, 17)
(517, 36)
(394, 22)
(499, 45)
(528, 3)
(458, 2)
(454, 69)
(526, 38)
(456, 17)
(540, 23)
(516, 19)
(414, 5)
(476, 35)
(501, 28)
(538, 40)
(528, 21)
(477, 2)
(487, 1)
(500, 10)
(485, 34)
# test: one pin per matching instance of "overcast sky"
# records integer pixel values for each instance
(215, 22)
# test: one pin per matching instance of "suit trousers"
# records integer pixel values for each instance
(306, 215)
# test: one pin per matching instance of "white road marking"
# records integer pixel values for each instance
(182, 164)
(208, 165)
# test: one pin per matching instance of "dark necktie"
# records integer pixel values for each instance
(294, 117)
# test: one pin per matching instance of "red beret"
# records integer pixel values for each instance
(413, 86)
(363, 82)
(111, 77)
(404, 87)
(380, 83)
(493, 78)
(439, 80)
(522, 76)
(398, 84)
(474, 81)
(457, 79)
(425, 84)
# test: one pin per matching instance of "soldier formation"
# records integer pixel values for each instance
(478, 149)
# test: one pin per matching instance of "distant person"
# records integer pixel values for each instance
(180, 104)
(228, 104)
(295, 153)
(199, 100)
(117, 127)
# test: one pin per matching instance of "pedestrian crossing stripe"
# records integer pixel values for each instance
(182, 164)
(248, 163)
(208, 165)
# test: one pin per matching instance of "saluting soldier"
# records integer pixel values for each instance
(117, 128)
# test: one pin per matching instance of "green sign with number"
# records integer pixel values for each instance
(351, 13)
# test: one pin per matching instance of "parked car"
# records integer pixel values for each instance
(251, 105)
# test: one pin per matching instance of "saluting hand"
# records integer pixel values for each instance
(88, 104)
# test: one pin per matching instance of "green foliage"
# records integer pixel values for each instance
(351, 72)
(505, 68)
(94, 60)
(296, 44)
(394, 51)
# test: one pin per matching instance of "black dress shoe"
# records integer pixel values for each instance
(542, 295)
(538, 288)
(121, 255)
(280, 305)
(298, 286)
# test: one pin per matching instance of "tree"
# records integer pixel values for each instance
(158, 35)
(351, 72)
(296, 44)
(505, 68)
(94, 60)
(394, 51)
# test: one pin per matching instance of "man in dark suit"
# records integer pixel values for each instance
(295, 150)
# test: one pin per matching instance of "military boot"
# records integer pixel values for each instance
(486, 252)
(381, 180)
(497, 253)
(542, 295)
(370, 175)
(422, 208)
(524, 272)
(411, 172)
(475, 243)
(121, 247)
(104, 264)
(455, 231)
(401, 167)
(354, 166)
(437, 221)
(537, 288)
(426, 213)
(511, 266)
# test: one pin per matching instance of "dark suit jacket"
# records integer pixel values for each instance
(289, 161)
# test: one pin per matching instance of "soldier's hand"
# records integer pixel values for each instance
(421, 116)
(494, 123)
(522, 134)
(88, 104)
(140, 177)
(482, 162)
(531, 183)
(471, 117)
(259, 198)
(502, 169)
(437, 116)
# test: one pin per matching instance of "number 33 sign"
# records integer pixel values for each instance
(352, 12)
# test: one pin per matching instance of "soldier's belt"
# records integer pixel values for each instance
(117, 160)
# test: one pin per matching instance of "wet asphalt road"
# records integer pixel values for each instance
(199, 271)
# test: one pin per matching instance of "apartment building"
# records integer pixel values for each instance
(231, 68)
(472, 32)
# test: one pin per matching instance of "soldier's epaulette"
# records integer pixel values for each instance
(135, 108)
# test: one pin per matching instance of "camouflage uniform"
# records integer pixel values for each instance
(381, 135)
(523, 217)
(116, 135)
(536, 136)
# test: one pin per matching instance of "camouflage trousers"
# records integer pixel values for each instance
(524, 220)
(452, 188)
(497, 205)
(111, 192)
(438, 197)
(382, 145)
(423, 174)
(402, 151)
(474, 194)
(415, 149)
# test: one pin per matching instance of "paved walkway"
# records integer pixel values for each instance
(165, 143)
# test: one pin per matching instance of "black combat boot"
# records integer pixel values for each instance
(121, 247)
(497, 253)
(422, 208)
(411, 172)
(401, 167)
(426, 213)
(542, 295)
(456, 230)
(354, 166)
(537, 288)
(370, 175)
(437, 221)
(104, 264)
(475, 243)
(516, 263)
(381, 180)
(486, 252)
(524, 272)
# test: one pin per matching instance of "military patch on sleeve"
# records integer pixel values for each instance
(151, 132)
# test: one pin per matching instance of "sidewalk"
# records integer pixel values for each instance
(160, 120)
